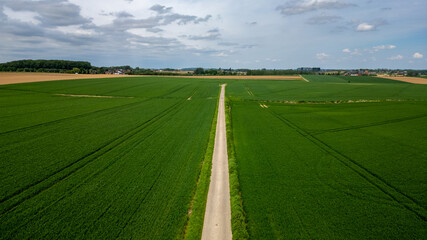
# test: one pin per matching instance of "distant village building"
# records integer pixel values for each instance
(308, 69)
(115, 72)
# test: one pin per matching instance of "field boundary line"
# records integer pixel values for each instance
(194, 226)
(375, 180)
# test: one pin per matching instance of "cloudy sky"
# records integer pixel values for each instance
(278, 34)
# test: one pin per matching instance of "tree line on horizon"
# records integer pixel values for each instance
(84, 67)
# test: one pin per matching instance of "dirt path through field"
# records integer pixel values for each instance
(217, 222)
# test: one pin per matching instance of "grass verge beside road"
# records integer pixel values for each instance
(238, 215)
(198, 205)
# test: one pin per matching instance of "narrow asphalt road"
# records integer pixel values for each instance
(217, 222)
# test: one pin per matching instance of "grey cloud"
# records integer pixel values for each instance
(164, 17)
(29, 33)
(90, 37)
(300, 7)
(212, 34)
(123, 24)
(248, 46)
(154, 41)
(3, 17)
(236, 45)
(227, 44)
(179, 18)
(122, 14)
(205, 19)
(154, 30)
(50, 12)
(73, 39)
(161, 9)
(209, 37)
(323, 19)
(21, 29)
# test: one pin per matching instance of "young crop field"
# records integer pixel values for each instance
(332, 158)
(102, 158)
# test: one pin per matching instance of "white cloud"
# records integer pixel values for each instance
(371, 26)
(321, 56)
(364, 27)
(397, 57)
(354, 52)
(322, 19)
(382, 47)
(417, 55)
(221, 54)
(299, 7)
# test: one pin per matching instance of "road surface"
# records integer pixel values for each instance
(217, 222)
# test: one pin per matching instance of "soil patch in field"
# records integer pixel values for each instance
(340, 101)
(14, 77)
(415, 80)
(89, 96)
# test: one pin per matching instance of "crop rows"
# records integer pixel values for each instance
(102, 167)
(335, 157)
(331, 170)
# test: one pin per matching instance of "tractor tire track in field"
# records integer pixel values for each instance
(397, 120)
(174, 108)
(71, 117)
(139, 205)
(89, 157)
(69, 191)
(375, 180)
(99, 217)
(90, 113)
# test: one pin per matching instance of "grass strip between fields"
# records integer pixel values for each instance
(196, 214)
(238, 215)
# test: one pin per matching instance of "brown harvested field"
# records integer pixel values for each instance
(415, 80)
(14, 77)
(249, 77)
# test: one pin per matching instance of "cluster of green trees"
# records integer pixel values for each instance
(219, 71)
(58, 66)
(415, 73)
